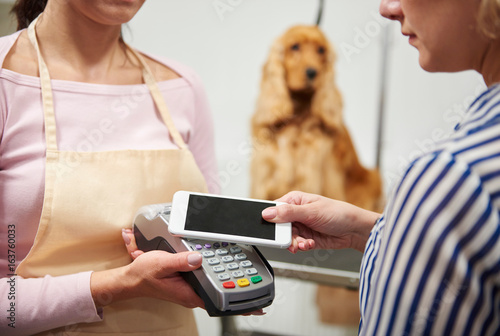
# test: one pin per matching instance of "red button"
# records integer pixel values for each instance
(229, 284)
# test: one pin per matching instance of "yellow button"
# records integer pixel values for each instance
(243, 282)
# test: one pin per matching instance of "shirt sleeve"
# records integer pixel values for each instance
(29, 306)
(3, 110)
(431, 263)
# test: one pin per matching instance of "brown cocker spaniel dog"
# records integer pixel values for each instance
(301, 143)
(299, 139)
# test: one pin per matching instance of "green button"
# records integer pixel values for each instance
(256, 279)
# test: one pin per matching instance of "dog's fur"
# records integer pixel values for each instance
(300, 141)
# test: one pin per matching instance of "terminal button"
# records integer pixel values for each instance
(256, 279)
(235, 249)
(223, 276)
(240, 256)
(238, 274)
(213, 261)
(251, 271)
(232, 266)
(228, 284)
(227, 259)
(246, 263)
(208, 254)
(221, 251)
(243, 282)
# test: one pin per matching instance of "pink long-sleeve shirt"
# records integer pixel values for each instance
(89, 117)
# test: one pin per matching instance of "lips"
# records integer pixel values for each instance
(411, 37)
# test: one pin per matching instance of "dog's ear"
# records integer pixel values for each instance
(274, 103)
(327, 101)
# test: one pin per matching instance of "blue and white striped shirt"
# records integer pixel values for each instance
(432, 262)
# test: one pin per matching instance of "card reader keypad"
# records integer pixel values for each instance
(233, 279)
(230, 264)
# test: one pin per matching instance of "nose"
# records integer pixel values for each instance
(311, 73)
(391, 9)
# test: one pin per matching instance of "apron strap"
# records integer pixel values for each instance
(148, 77)
(48, 100)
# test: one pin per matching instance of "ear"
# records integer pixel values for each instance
(274, 104)
(327, 101)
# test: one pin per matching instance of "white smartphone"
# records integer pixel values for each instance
(227, 219)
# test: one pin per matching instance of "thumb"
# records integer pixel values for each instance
(285, 213)
(183, 261)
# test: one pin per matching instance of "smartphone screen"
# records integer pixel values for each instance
(228, 216)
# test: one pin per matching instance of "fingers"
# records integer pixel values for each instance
(194, 260)
(292, 197)
(170, 281)
(129, 239)
(298, 208)
(179, 262)
(294, 246)
(305, 244)
(286, 198)
(301, 244)
(164, 264)
(158, 274)
(286, 213)
(185, 261)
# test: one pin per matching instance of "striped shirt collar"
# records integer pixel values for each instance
(480, 111)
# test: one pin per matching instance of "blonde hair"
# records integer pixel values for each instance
(489, 18)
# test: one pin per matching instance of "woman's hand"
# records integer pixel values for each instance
(165, 284)
(129, 239)
(153, 274)
(322, 223)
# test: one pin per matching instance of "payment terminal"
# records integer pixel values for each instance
(234, 278)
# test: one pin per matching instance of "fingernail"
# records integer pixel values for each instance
(269, 213)
(126, 238)
(135, 254)
(194, 259)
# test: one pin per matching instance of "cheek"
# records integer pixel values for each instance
(447, 39)
(448, 52)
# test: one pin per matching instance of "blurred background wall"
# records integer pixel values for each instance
(227, 42)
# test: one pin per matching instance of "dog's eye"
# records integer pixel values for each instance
(295, 46)
(321, 50)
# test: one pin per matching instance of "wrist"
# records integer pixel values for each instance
(110, 286)
(364, 225)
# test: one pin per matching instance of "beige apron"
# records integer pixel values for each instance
(89, 197)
